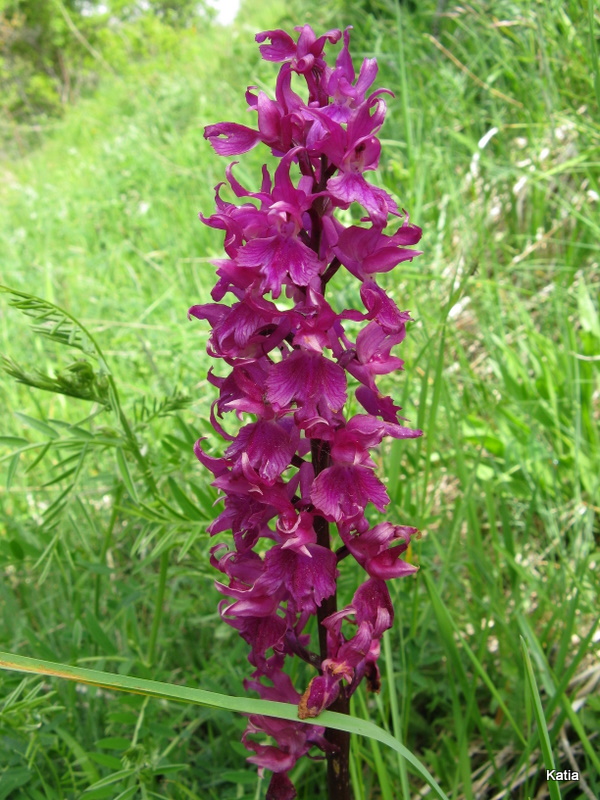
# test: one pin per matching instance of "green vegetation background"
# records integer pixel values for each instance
(493, 145)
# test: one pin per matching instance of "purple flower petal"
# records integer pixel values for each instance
(342, 492)
(262, 634)
(277, 256)
(282, 45)
(322, 691)
(382, 308)
(377, 404)
(372, 603)
(373, 347)
(308, 379)
(307, 579)
(237, 138)
(351, 187)
(280, 787)
(269, 446)
(388, 565)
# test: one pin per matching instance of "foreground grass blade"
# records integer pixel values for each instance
(541, 721)
(448, 628)
(242, 705)
(556, 693)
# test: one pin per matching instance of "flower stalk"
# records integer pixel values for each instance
(297, 476)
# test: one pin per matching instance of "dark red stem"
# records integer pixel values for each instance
(329, 273)
(338, 761)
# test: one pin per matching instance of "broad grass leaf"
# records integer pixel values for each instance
(242, 705)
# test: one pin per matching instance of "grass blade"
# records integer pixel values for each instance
(541, 721)
(241, 705)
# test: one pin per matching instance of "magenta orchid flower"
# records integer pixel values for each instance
(299, 471)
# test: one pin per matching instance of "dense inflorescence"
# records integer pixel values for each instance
(301, 464)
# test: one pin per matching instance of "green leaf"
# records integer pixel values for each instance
(12, 470)
(105, 760)
(13, 779)
(128, 793)
(57, 505)
(173, 769)
(77, 379)
(38, 424)
(240, 705)
(83, 758)
(52, 321)
(190, 540)
(16, 549)
(58, 478)
(114, 743)
(73, 430)
(204, 496)
(239, 776)
(125, 474)
(39, 457)
(95, 790)
(177, 443)
(13, 440)
(491, 443)
(588, 316)
(95, 631)
(185, 504)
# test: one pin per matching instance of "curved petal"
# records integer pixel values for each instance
(237, 138)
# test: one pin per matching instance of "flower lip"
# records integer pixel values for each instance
(341, 492)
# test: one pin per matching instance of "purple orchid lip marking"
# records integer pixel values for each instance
(298, 464)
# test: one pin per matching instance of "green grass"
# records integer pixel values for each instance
(491, 669)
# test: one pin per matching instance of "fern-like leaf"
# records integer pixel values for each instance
(144, 413)
(53, 322)
(78, 379)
